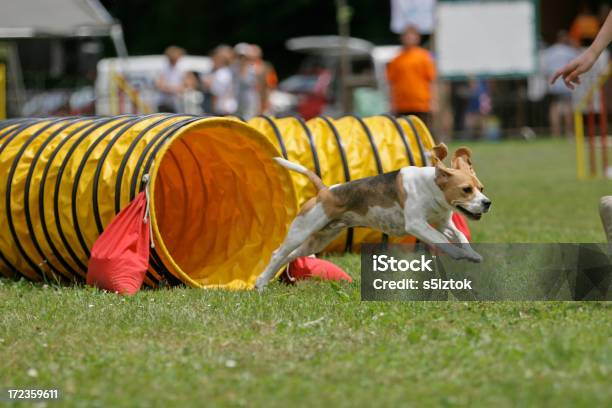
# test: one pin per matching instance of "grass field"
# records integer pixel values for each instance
(316, 343)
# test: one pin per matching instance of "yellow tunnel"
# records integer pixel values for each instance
(347, 149)
(220, 204)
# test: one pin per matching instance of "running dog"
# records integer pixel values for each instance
(409, 201)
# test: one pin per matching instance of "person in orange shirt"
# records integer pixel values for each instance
(585, 26)
(411, 75)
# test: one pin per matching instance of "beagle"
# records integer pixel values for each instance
(416, 201)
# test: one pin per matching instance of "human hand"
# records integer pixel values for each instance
(576, 67)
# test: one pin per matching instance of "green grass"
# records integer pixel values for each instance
(536, 196)
(317, 344)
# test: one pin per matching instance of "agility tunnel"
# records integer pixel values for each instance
(348, 149)
(219, 204)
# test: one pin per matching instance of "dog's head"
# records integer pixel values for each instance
(462, 189)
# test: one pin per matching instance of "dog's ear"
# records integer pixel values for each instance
(440, 151)
(443, 173)
(462, 158)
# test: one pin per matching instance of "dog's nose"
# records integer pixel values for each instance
(486, 204)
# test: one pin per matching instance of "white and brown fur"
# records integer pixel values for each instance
(409, 201)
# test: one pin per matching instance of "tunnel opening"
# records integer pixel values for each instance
(220, 204)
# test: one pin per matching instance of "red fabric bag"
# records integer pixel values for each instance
(308, 268)
(461, 225)
(120, 256)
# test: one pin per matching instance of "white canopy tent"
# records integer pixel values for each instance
(59, 18)
(48, 19)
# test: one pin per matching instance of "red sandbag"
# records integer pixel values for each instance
(461, 224)
(120, 256)
(308, 268)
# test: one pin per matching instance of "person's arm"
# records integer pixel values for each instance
(160, 84)
(582, 63)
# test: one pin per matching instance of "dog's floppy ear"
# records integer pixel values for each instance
(443, 173)
(462, 158)
(440, 151)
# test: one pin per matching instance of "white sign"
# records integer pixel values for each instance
(418, 13)
(486, 38)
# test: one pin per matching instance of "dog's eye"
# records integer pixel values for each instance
(482, 189)
(467, 190)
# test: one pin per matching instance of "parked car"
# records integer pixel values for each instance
(316, 86)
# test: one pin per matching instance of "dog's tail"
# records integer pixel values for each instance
(314, 179)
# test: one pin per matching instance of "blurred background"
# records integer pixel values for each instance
(472, 70)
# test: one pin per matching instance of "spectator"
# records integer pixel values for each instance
(170, 82)
(192, 97)
(221, 83)
(585, 26)
(248, 81)
(411, 75)
(478, 106)
(560, 110)
(266, 73)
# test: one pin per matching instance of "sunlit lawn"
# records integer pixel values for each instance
(317, 343)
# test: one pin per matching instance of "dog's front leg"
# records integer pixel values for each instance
(430, 235)
(455, 235)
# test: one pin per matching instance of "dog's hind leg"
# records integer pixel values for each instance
(317, 242)
(302, 228)
(313, 244)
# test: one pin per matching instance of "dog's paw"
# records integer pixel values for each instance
(260, 284)
(474, 256)
(453, 251)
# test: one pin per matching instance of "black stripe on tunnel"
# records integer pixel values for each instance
(41, 194)
(9, 122)
(277, 133)
(379, 166)
(347, 174)
(154, 144)
(366, 129)
(96, 178)
(126, 157)
(26, 196)
(410, 122)
(10, 136)
(77, 178)
(402, 135)
(404, 140)
(58, 181)
(313, 148)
